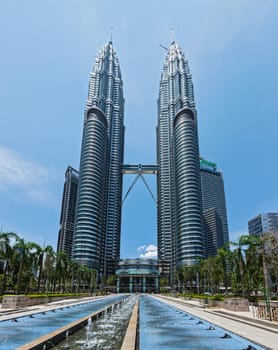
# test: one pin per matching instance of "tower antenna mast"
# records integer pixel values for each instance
(111, 33)
(173, 34)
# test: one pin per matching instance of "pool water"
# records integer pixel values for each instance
(22, 330)
(165, 327)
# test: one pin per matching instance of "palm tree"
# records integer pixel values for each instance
(254, 264)
(223, 256)
(6, 253)
(41, 256)
(212, 273)
(238, 265)
(85, 274)
(247, 265)
(189, 276)
(178, 277)
(49, 269)
(24, 254)
(200, 276)
(74, 276)
(61, 269)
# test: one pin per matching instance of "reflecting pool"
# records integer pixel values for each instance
(104, 333)
(165, 327)
(22, 330)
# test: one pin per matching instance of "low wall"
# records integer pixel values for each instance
(208, 302)
(45, 300)
(19, 301)
(14, 301)
(236, 304)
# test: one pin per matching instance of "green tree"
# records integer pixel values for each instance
(212, 274)
(247, 265)
(270, 246)
(61, 271)
(189, 277)
(42, 253)
(6, 254)
(223, 257)
(24, 255)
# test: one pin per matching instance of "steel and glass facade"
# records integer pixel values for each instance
(180, 236)
(214, 207)
(138, 275)
(263, 223)
(98, 217)
(189, 234)
(67, 217)
(96, 239)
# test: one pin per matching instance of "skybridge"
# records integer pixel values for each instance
(139, 170)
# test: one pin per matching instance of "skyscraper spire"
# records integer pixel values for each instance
(111, 34)
(173, 34)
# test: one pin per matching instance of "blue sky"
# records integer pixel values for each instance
(47, 52)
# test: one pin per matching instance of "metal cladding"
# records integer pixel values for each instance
(176, 150)
(67, 218)
(98, 217)
(189, 237)
(214, 207)
(96, 242)
(89, 226)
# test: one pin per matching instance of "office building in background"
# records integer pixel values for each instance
(215, 223)
(263, 223)
(67, 217)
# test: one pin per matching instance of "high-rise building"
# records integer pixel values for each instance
(180, 235)
(213, 235)
(263, 223)
(98, 216)
(215, 222)
(181, 238)
(67, 218)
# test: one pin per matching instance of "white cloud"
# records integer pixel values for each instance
(140, 248)
(149, 251)
(27, 178)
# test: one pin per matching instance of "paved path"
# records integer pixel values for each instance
(264, 333)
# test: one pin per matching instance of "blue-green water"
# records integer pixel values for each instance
(163, 327)
(22, 330)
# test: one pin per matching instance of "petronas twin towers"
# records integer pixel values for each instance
(180, 238)
(98, 217)
(96, 239)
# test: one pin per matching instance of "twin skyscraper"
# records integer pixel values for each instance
(92, 202)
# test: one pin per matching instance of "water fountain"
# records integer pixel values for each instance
(165, 327)
(21, 330)
(161, 327)
(106, 332)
